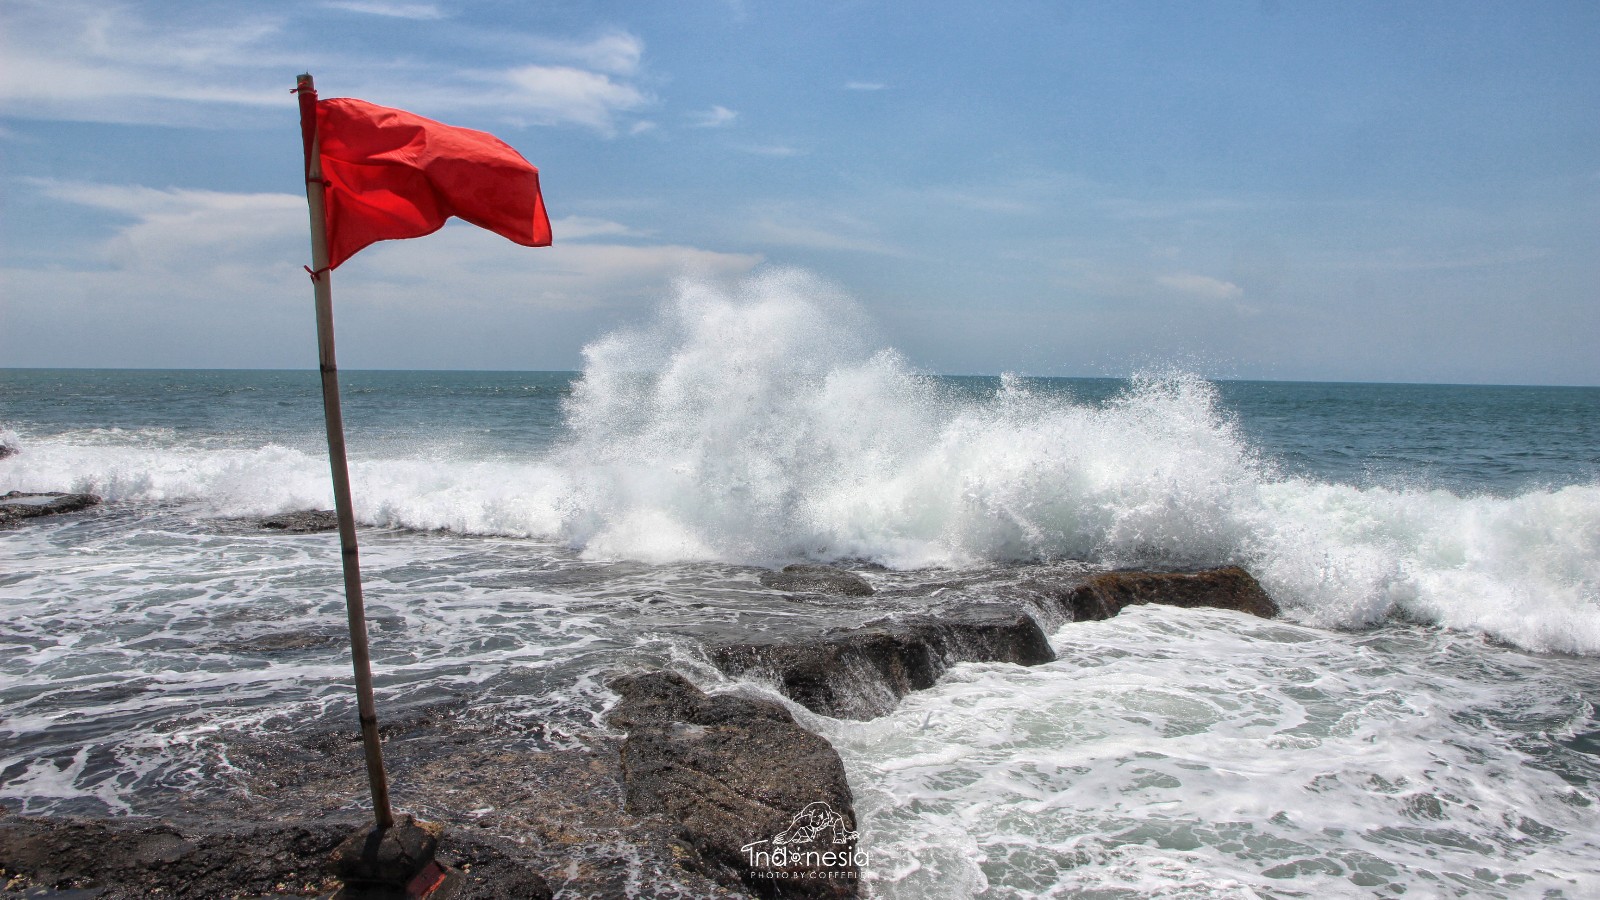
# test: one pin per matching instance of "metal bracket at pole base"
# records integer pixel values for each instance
(394, 863)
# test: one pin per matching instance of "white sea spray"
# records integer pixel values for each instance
(760, 423)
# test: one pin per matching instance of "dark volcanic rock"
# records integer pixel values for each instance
(863, 672)
(519, 821)
(144, 858)
(1106, 594)
(304, 521)
(6, 450)
(747, 786)
(135, 859)
(18, 505)
(817, 580)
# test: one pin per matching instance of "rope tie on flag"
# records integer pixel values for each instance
(316, 274)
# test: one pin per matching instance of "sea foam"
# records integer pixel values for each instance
(758, 423)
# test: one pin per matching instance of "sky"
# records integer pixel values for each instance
(1278, 189)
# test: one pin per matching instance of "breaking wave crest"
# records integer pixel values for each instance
(759, 424)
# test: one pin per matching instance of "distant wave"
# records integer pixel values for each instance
(757, 425)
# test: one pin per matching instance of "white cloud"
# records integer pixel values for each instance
(214, 278)
(1202, 286)
(779, 150)
(802, 228)
(79, 61)
(183, 227)
(865, 86)
(715, 117)
(616, 52)
(1131, 209)
(557, 94)
(469, 265)
(84, 62)
(417, 11)
(573, 228)
(1407, 260)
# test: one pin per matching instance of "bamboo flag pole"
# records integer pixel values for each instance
(322, 278)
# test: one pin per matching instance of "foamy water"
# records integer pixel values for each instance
(1229, 757)
(1398, 729)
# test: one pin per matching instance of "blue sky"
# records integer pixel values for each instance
(1256, 189)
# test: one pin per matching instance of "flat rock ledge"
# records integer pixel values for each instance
(804, 579)
(135, 857)
(763, 804)
(862, 673)
(18, 505)
(305, 521)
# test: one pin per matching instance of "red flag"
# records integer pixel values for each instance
(392, 174)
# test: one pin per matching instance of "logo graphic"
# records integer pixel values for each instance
(811, 822)
(819, 843)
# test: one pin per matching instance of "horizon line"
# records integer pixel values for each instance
(1329, 381)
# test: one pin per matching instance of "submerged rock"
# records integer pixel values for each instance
(860, 673)
(18, 505)
(286, 641)
(817, 580)
(763, 803)
(1108, 593)
(303, 521)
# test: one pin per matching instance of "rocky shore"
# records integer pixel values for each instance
(689, 793)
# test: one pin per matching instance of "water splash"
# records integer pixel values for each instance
(760, 423)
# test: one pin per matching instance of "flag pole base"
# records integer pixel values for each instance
(394, 863)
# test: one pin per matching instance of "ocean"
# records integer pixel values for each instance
(1421, 720)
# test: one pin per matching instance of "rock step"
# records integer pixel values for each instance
(862, 673)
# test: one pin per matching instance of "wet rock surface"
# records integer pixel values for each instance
(19, 505)
(860, 673)
(118, 858)
(1103, 595)
(305, 521)
(520, 822)
(739, 779)
(802, 579)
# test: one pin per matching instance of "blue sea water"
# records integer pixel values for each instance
(1422, 719)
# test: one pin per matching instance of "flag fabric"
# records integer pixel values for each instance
(392, 174)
